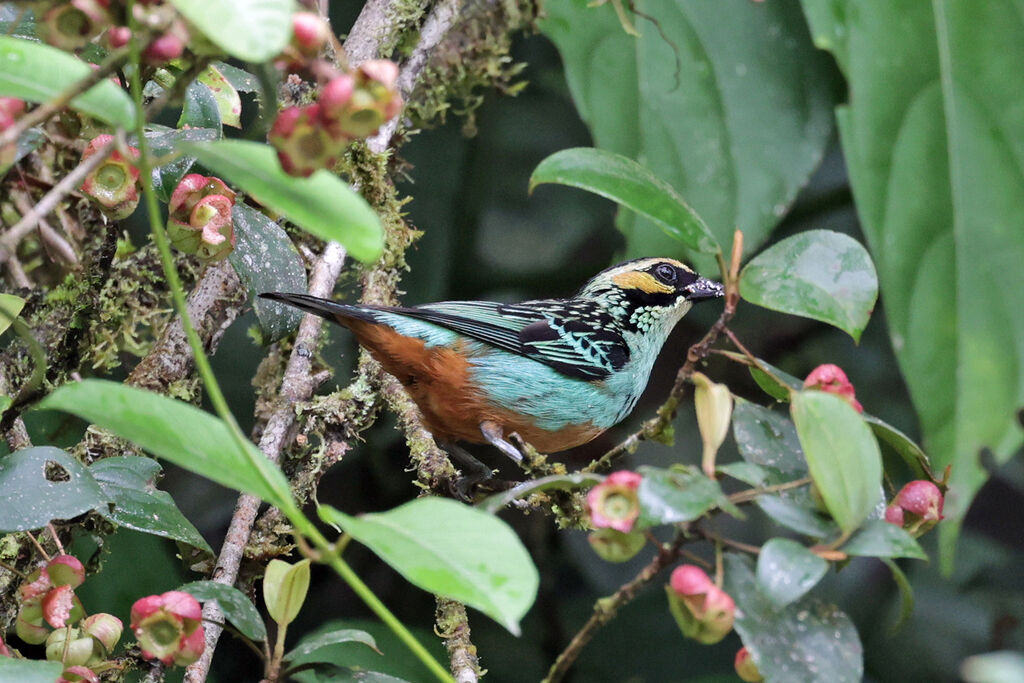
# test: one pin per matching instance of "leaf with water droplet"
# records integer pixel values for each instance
(44, 483)
(786, 570)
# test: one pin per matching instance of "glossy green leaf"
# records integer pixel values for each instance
(29, 670)
(44, 483)
(251, 30)
(878, 538)
(39, 73)
(240, 80)
(734, 114)
(165, 141)
(842, 455)
(229, 104)
(345, 635)
(628, 183)
(906, 595)
(747, 472)
(199, 108)
(678, 495)
(786, 570)
(904, 446)
(933, 137)
(237, 608)
(129, 482)
(561, 482)
(10, 308)
(766, 437)
(321, 204)
(176, 431)
(284, 589)
(266, 261)
(818, 274)
(799, 516)
(807, 640)
(452, 550)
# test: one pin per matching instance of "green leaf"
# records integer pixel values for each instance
(906, 595)
(735, 115)
(44, 483)
(818, 274)
(345, 635)
(561, 482)
(878, 538)
(451, 550)
(39, 73)
(807, 640)
(747, 472)
(29, 670)
(842, 455)
(129, 482)
(786, 570)
(240, 80)
(229, 104)
(798, 516)
(237, 608)
(251, 30)
(199, 108)
(10, 308)
(165, 141)
(266, 261)
(679, 495)
(768, 438)
(284, 589)
(903, 445)
(321, 204)
(933, 143)
(176, 431)
(625, 181)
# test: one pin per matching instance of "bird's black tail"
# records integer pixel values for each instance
(325, 308)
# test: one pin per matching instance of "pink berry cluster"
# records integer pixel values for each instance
(114, 184)
(352, 104)
(199, 217)
(831, 378)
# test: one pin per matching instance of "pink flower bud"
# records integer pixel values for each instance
(164, 623)
(118, 37)
(745, 667)
(703, 611)
(163, 49)
(302, 141)
(831, 378)
(917, 507)
(894, 514)
(114, 183)
(66, 570)
(10, 109)
(310, 33)
(105, 630)
(614, 503)
(78, 674)
(199, 217)
(67, 645)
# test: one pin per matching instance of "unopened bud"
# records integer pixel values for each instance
(713, 402)
(69, 646)
(65, 570)
(310, 33)
(745, 667)
(105, 630)
(616, 546)
(831, 378)
(917, 507)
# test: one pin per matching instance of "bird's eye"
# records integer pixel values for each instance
(666, 273)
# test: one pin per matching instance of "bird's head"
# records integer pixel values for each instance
(649, 294)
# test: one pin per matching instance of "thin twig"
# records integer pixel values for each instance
(23, 203)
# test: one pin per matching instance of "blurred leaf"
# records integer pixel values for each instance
(199, 108)
(40, 73)
(237, 608)
(451, 550)
(251, 30)
(747, 472)
(229, 104)
(561, 482)
(628, 183)
(786, 570)
(266, 261)
(878, 538)
(765, 437)
(842, 455)
(993, 667)
(167, 176)
(933, 139)
(735, 115)
(240, 80)
(29, 670)
(17, 21)
(129, 482)
(906, 594)
(345, 635)
(174, 430)
(321, 204)
(679, 495)
(28, 142)
(10, 308)
(284, 589)
(797, 516)
(807, 640)
(42, 484)
(903, 445)
(818, 274)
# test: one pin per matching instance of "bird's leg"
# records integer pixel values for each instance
(494, 434)
(477, 472)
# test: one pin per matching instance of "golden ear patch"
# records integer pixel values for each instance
(645, 282)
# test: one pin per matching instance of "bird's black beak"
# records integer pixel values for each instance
(703, 288)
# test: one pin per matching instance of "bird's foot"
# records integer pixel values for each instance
(475, 471)
(495, 435)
